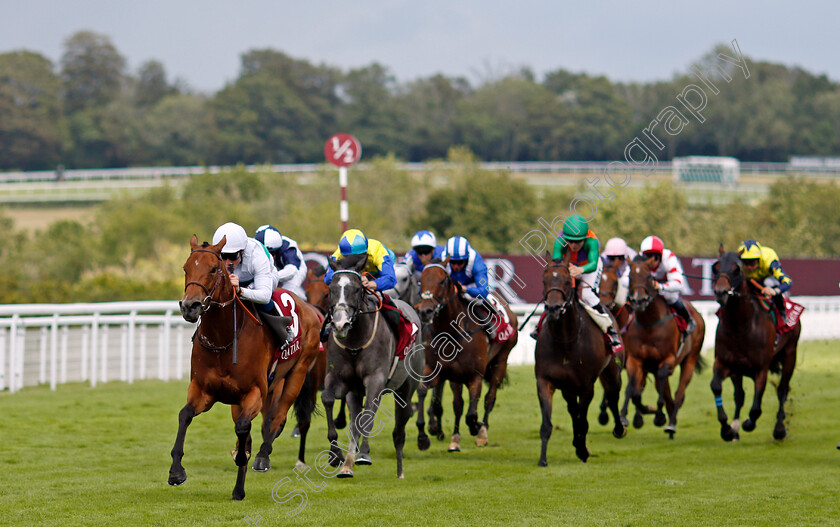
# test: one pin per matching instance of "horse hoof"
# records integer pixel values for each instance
(423, 442)
(544, 463)
(178, 478)
(726, 433)
(736, 425)
(638, 421)
(736, 437)
(748, 425)
(336, 460)
(345, 473)
(238, 495)
(473, 424)
(296, 432)
(261, 463)
(441, 436)
(670, 430)
(300, 465)
(619, 432)
(455, 444)
(583, 454)
(780, 433)
(341, 422)
(364, 459)
(603, 418)
(838, 446)
(234, 452)
(624, 422)
(481, 439)
(659, 419)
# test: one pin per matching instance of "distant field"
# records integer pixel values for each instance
(83, 456)
(31, 219)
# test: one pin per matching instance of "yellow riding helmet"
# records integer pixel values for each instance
(749, 250)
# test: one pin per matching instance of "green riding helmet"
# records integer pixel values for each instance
(575, 228)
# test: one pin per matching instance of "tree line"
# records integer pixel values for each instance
(89, 111)
(135, 246)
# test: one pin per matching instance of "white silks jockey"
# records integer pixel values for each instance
(668, 276)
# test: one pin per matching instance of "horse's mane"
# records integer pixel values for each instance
(435, 261)
(319, 271)
(640, 258)
(350, 261)
(205, 245)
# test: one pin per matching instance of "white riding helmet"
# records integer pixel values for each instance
(423, 239)
(236, 237)
(270, 237)
(615, 247)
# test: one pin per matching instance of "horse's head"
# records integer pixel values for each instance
(436, 290)
(558, 290)
(205, 278)
(727, 276)
(404, 278)
(641, 289)
(347, 294)
(317, 291)
(609, 287)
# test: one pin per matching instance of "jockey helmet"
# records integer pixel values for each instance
(750, 250)
(652, 245)
(270, 237)
(457, 248)
(236, 238)
(575, 228)
(615, 247)
(353, 241)
(423, 239)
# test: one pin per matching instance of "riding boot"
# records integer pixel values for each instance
(489, 326)
(682, 311)
(278, 324)
(536, 332)
(325, 329)
(611, 333)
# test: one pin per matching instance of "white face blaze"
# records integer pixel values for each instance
(343, 282)
(341, 319)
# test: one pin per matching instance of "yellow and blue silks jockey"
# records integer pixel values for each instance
(380, 259)
(762, 265)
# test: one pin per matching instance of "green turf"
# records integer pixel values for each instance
(82, 456)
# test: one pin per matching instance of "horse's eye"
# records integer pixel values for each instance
(214, 270)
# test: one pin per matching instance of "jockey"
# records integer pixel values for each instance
(586, 265)
(617, 253)
(668, 276)
(424, 249)
(467, 267)
(288, 260)
(762, 264)
(380, 265)
(252, 275)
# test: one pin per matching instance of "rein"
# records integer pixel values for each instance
(358, 311)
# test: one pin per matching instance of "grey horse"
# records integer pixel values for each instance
(361, 351)
(406, 289)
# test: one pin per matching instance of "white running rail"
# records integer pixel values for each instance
(61, 343)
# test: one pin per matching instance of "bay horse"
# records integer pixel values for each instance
(229, 329)
(570, 355)
(613, 296)
(362, 362)
(746, 345)
(459, 351)
(654, 345)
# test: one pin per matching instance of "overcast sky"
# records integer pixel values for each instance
(201, 41)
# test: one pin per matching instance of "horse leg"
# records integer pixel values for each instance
(341, 420)
(755, 411)
(328, 400)
(611, 381)
(282, 398)
(197, 402)
(545, 393)
(779, 431)
(582, 428)
(472, 411)
(718, 376)
(247, 410)
(458, 410)
(436, 411)
(663, 386)
(363, 457)
(496, 377)
(574, 409)
(402, 413)
(738, 395)
(423, 442)
(635, 377)
(354, 404)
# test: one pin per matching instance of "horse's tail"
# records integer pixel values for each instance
(701, 364)
(305, 404)
(776, 363)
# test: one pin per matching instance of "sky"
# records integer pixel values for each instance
(201, 41)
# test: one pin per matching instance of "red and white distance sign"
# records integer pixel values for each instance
(342, 150)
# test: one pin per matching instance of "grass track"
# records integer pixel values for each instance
(82, 456)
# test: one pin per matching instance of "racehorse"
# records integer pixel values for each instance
(570, 355)
(406, 288)
(746, 345)
(231, 355)
(613, 296)
(460, 352)
(362, 361)
(654, 345)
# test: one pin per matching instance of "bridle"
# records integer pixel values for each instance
(646, 287)
(357, 309)
(734, 285)
(208, 301)
(567, 297)
(440, 303)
